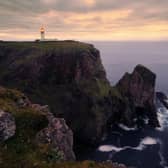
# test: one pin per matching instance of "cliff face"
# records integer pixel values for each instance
(139, 90)
(68, 76)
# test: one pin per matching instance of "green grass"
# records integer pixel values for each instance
(57, 45)
(32, 50)
(21, 147)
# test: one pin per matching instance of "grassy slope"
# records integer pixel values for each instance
(20, 149)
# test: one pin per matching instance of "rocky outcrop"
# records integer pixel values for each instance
(30, 129)
(57, 136)
(162, 98)
(139, 90)
(7, 126)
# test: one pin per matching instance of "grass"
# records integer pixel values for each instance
(56, 45)
(20, 147)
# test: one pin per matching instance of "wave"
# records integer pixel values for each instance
(163, 118)
(144, 142)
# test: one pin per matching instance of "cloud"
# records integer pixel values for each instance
(85, 18)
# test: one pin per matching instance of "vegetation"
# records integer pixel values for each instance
(60, 46)
(21, 148)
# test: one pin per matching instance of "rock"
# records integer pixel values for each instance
(139, 89)
(40, 138)
(23, 101)
(59, 137)
(7, 126)
(162, 98)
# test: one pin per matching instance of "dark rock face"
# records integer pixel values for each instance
(139, 89)
(162, 98)
(7, 126)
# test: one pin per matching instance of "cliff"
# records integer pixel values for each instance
(70, 78)
(66, 75)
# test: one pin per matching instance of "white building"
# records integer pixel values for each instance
(42, 32)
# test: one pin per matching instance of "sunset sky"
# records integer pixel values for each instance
(84, 19)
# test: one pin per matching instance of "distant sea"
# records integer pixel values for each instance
(146, 148)
(121, 57)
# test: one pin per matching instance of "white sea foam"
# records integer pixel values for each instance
(109, 148)
(163, 118)
(144, 142)
(149, 141)
(124, 127)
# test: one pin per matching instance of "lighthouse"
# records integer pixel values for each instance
(42, 32)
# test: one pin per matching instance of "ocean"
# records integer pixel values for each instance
(145, 148)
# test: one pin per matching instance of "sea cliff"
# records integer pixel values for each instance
(69, 78)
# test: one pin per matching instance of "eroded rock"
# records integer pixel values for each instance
(7, 126)
(58, 137)
(139, 89)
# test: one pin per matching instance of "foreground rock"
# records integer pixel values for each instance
(7, 126)
(139, 89)
(57, 137)
(30, 134)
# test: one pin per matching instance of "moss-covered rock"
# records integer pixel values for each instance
(7, 125)
(23, 122)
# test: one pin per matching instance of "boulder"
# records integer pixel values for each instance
(7, 126)
(59, 138)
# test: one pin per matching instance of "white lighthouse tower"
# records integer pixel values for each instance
(42, 32)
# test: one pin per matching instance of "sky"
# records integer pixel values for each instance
(84, 19)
